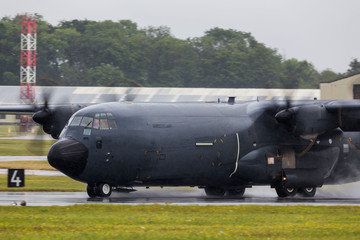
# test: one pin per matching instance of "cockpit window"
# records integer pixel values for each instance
(104, 121)
(87, 122)
(112, 124)
(104, 124)
(76, 121)
(96, 124)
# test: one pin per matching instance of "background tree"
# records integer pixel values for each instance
(87, 53)
(354, 67)
(299, 74)
(172, 62)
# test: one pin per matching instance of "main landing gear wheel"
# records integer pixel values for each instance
(239, 192)
(285, 192)
(307, 191)
(100, 190)
(104, 190)
(214, 192)
(91, 190)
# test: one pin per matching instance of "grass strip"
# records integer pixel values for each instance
(14, 130)
(31, 165)
(9, 130)
(35, 183)
(180, 222)
(16, 147)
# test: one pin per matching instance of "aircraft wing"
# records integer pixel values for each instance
(347, 113)
(343, 105)
(52, 117)
(17, 109)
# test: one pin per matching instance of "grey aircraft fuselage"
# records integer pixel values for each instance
(218, 145)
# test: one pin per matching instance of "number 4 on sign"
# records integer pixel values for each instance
(16, 177)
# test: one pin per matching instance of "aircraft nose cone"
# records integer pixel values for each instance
(68, 156)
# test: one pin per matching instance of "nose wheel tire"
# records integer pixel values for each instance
(307, 191)
(99, 190)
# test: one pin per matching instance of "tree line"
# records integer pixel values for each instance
(108, 53)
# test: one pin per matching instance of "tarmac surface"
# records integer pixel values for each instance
(177, 196)
(347, 194)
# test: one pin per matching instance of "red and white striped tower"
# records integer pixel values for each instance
(28, 59)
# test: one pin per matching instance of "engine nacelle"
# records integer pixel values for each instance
(304, 177)
(308, 120)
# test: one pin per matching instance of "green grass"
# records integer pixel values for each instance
(44, 184)
(16, 147)
(9, 130)
(180, 222)
(32, 165)
(14, 130)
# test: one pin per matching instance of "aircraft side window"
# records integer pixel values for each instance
(104, 124)
(112, 124)
(87, 122)
(76, 121)
(96, 123)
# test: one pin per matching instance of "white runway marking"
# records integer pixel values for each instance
(22, 158)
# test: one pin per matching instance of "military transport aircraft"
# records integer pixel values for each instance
(223, 147)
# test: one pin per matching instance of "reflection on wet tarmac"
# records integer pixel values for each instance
(179, 196)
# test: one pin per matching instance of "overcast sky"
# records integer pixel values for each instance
(323, 32)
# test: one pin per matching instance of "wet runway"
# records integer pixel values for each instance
(180, 196)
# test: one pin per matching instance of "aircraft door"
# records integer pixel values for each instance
(103, 140)
(103, 146)
(225, 155)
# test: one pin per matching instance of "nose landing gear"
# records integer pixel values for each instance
(99, 190)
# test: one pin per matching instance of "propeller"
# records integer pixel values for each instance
(53, 118)
(287, 116)
(44, 116)
(306, 121)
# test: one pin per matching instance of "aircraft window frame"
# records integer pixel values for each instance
(76, 121)
(87, 122)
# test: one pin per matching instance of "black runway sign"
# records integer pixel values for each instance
(16, 178)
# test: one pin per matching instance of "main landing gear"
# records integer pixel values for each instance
(221, 192)
(288, 192)
(99, 190)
